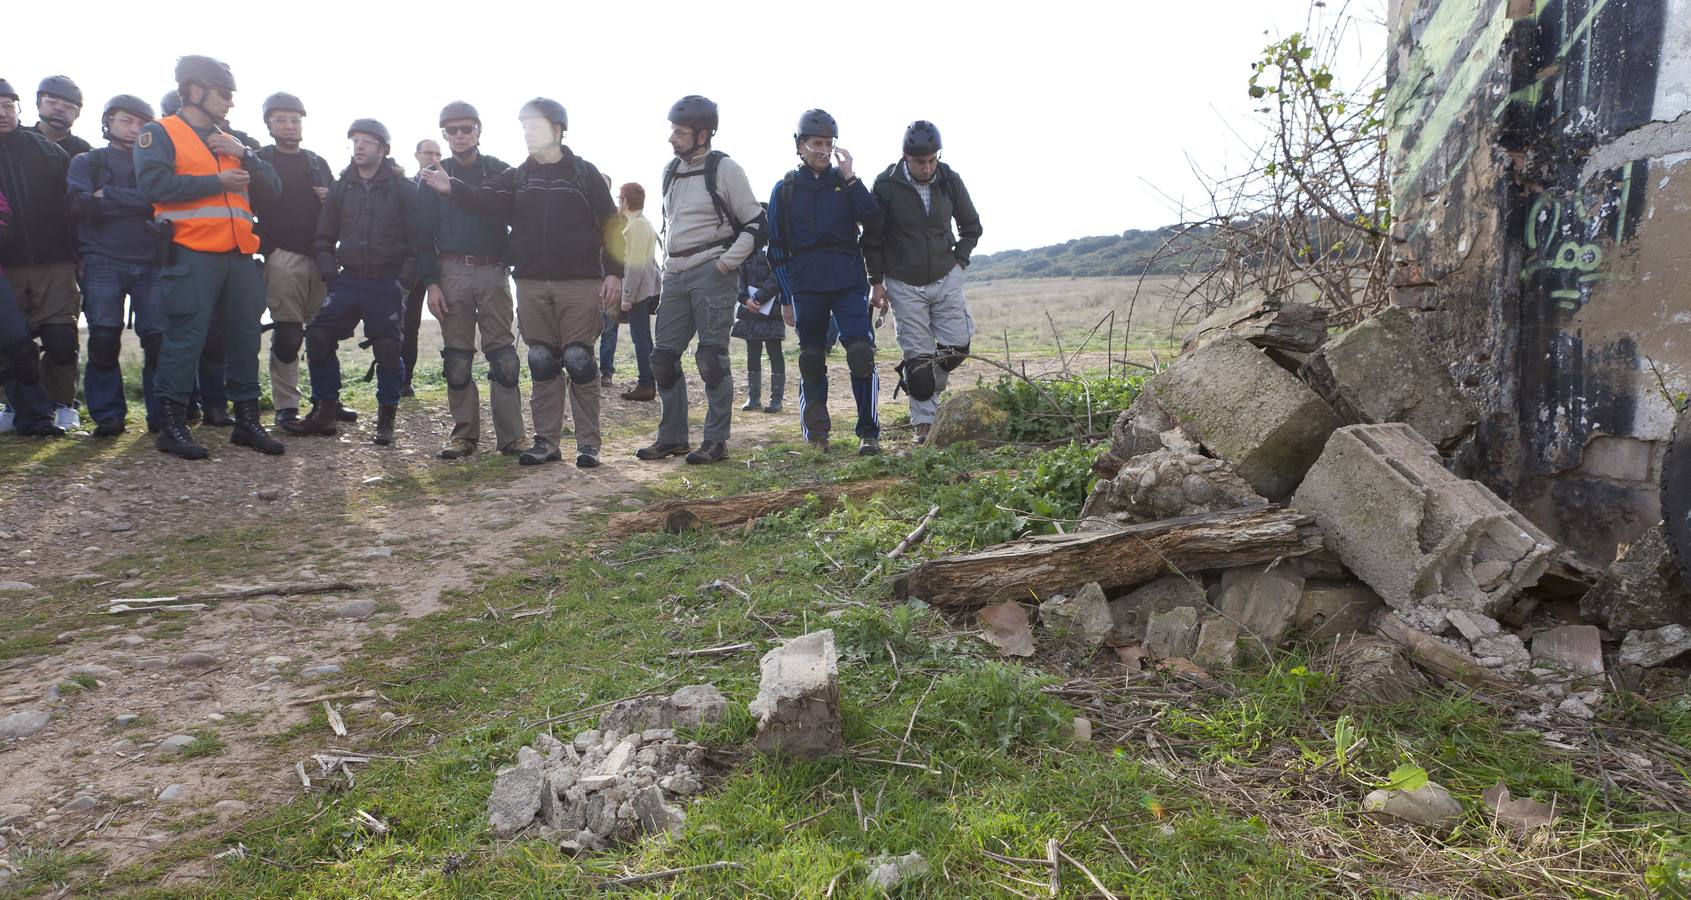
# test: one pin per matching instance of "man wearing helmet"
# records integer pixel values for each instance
(462, 268)
(368, 236)
(119, 246)
(713, 222)
(287, 230)
(558, 206)
(814, 216)
(197, 176)
(58, 103)
(916, 264)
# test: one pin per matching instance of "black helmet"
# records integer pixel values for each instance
(205, 71)
(458, 109)
(128, 103)
(550, 110)
(694, 111)
(170, 104)
(370, 127)
(817, 123)
(281, 101)
(921, 138)
(6, 90)
(60, 86)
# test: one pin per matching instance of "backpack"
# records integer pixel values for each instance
(712, 159)
(784, 202)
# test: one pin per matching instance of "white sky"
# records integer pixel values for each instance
(1056, 114)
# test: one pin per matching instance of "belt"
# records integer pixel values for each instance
(470, 259)
(682, 254)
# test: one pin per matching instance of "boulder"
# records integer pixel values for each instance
(798, 700)
(1422, 538)
(972, 415)
(1384, 370)
(1261, 599)
(1642, 589)
(1165, 484)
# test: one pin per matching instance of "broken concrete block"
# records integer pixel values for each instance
(1295, 328)
(1429, 805)
(1172, 633)
(1132, 612)
(1383, 370)
(1327, 609)
(1472, 627)
(1372, 670)
(1218, 643)
(1422, 538)
(1575, 649)
(1083, 619)
(887, 873)
(697, 704)
(1642, 589)
(1005, 626)
(1654, 646)
(1167, 485)
(656, 816)
(1249, 411)
(1262, 600)
(798, 700)
(515, 799)
(1138, 429)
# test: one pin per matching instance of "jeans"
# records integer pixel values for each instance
(380, 304)
(105, 284)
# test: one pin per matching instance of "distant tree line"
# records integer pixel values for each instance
(1166, 251)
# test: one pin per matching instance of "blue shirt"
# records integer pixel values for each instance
(813, 238)
(114, 224)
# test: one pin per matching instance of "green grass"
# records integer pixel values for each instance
(205, 743)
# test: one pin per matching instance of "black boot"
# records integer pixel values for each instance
(217, 415)
(321, 420)
(174, 436)
(249, 430)
(346, 415)
(384, 424)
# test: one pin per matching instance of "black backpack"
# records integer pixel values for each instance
(712, 160)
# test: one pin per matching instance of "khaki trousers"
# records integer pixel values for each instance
(555, 314)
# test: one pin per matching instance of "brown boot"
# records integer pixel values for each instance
(642, 392)
(384, 425)
(320, 421)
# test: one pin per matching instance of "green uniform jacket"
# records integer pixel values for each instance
(917, 246)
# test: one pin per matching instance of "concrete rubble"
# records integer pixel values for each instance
(798, 701)
(1166, 484)
(1383, 370)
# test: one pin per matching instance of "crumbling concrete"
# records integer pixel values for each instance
(1262, 599)
(1165, 484)
(1383, 370)
(1328, 609)
(1292, 328)
(1655, 646)
(1145, 427)
(1248, 411)
(689, 707)
(1132, 612)
(798, 701)
(1424, 539)
(1574, 649)
(1643, 589)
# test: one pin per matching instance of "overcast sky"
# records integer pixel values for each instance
(1057, 114)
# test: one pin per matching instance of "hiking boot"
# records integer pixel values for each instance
(217, 416)
(708, 452)
(819, 444)
(108, 428)
(539, 453)
(773, 407)
(320, 421)
(922, 429)
(661, 450)
(869, 447)
(458, 448)
(407, 391)
(751, 404)
(587, 457)
(512, 449)
(249, 430)
(9, 419)
(641, 392)
(384, 424)
(284, 416)
(174, 436)
(346, 415)
(605, 380)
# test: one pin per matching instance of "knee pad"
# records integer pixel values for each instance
(23, 363)
(286, 339)
(713, 364)
(813, 363)
(502, 366)
(578, 360)
(455, 364)
(860, 357)
(916, 377)
(58, 343)
(150, 345)
(950, 357)
(544, 362)
(386, 352)
(104, 342)
(319, 343)
(666, 367)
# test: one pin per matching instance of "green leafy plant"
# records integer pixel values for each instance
(1052, 410)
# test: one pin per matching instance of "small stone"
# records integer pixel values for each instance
(1083, 618)
(195, 660)
(269, 493)
(1082, 729)
(229, 809)
(1472, 626)
(82, 804)
(131, 641)
(890, 872)
(515, 799)
(1576, 709)
(18, 726)
(276, 662)
(120, 526)
(215, 717)
(323, 671)
(374, 553)
(587, 740)
(631, 503)
(176, 743)
(173, 793)
(13, 812)
(654, 815)
(356, 609)
(1654, 646)
(16, 586)
(1171, 634)
(125, 720)
(698, 704)
(373, 479)
(684, 783)
(151, 663)
(1430, 805)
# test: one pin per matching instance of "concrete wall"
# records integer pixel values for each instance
(1541, 165)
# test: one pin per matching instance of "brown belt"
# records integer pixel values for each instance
(465, 259)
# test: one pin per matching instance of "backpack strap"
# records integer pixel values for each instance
(99, 171)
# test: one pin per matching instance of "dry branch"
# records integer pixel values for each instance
(676, 516)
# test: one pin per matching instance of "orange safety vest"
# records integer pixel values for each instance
(215, 223)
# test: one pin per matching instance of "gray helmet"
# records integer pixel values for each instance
(817, 123)
(128, 103)
(282, 101)
(203, 70)
(60, 86)
(458, 109)
(370, 127)
(6, 90)
(694, 111)
(550, 110)
(170, 104)
(921, 138)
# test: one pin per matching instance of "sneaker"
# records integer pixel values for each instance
(708, 452)
(819, 444)
(661, 450)
(406, 391)
(587, 457)
(8, 420)
(66, 418)
(108, 428)
(869, 447)
(284, 416)
(751, 404)
(773, 407)
(539, 453)
(458, 448)
(922, 429)
(641, 393)
(605, 380)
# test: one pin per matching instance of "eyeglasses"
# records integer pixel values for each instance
(458, 129)
(227, 95)
(819, 145)
(9, 105)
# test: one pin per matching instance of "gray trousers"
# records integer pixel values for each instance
(926, 316)
(699, 301)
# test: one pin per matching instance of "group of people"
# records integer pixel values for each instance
(175, 213)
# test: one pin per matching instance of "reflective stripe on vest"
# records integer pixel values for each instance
(216, 223)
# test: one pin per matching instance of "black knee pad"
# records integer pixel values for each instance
(286, 339)
(579, 361)
(666, 367)
(544, 362)
(950, 357)
(58, 343)
(104, 342)
(455, 364)
(502, 366)
(860, 357)
(319, 343)
(813, 363)
(150, 345)
(916, 377)
(713, 364)
(386, 352)
(22, 362)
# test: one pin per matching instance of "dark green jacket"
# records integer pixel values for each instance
(914, 246)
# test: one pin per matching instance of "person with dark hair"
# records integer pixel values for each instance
(639, 246)
(758, 323)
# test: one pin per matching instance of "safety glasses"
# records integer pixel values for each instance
(458, 129)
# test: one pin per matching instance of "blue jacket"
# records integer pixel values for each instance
(114, 224)
(814, 232)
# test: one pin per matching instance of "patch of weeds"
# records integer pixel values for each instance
(1051, 411)
(879, 635)
(995, 704)
(43, 868)
(84, 681)
(1049, 487)
(205, 743)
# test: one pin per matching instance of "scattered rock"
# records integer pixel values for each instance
(1517, 815)
(20, 725)
(195, 660)
(1082, 729)
(1133, 611)
(1472, 627)
(276, 662)
(176, 743)
(1641, 590)
(374, 553)
(270, 494)
(1654, 646)
(1005, 626)
(1576, 708)
(229, 809)
(1373, 671)
(173, 793)
(656, 816)
(1218, 643)
(1574, 649)
(1429, 805)
(83, 803)
(1083, 618)
(690, 707)
(6, 586)
(323, 671)
(1262, 600)
(356, 609)
(125, 720)
(515, 799)
(1328, 609)
(131, 641)
(798, 699)
(887, 873)
(13, 812)
(120, 526)
(972, 415)
(1384, 370)
(1172, 633)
